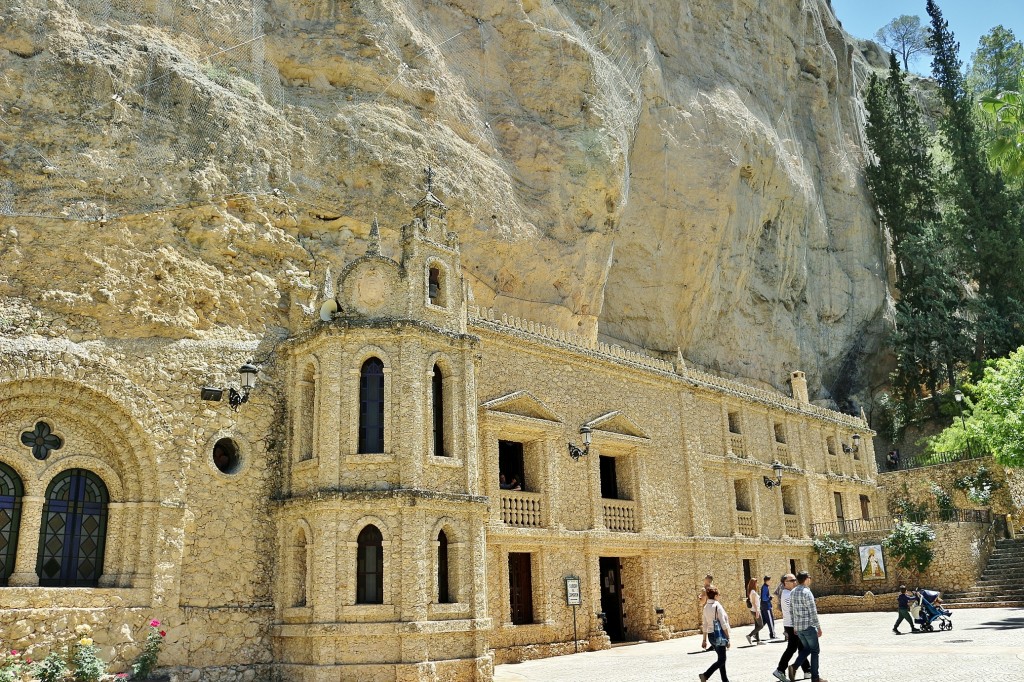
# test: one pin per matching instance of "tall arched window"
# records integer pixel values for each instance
(299, 571)
(443, 591)
(437, 404)
(307, 413)
(371, 406)
(11, 491)
(370, 566)
(73, 530)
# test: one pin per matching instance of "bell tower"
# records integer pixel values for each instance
(431, 263)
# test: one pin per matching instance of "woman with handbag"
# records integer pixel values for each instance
(716, 627)
(754, 604)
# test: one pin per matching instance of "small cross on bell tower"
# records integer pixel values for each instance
(430, 212)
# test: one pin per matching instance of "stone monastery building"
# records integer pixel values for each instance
(405, 491)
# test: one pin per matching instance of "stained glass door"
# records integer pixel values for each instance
(10, 517)
(73, 530)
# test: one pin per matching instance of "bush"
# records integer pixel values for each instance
(910, 545)
(836, 555)
(53, 668)
(979, 486)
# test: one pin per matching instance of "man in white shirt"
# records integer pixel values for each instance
(793, 644)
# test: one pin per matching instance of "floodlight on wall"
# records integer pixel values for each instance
(855, 448)
(575, 451)
(777, 481)
(246, 380)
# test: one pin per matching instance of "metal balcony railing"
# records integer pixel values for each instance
(932, 459)
(880, 523)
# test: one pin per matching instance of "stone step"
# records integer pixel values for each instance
(989, 604)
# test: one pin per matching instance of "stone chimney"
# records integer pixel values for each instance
(799, 384)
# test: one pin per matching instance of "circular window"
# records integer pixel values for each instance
(225, 456)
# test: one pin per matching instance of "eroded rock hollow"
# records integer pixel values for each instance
(664, 174)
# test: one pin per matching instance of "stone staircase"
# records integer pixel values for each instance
(1001, 583)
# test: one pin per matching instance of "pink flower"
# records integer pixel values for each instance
(13, 652)
(163, 633)
(154, 623)
(121, 676)
(28, 660)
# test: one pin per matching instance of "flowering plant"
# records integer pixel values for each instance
(146, 661)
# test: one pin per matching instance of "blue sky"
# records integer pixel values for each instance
(969, 19)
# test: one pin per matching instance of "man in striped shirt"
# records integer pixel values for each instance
(804, 613)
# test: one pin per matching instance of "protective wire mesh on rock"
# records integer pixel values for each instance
(154, 80)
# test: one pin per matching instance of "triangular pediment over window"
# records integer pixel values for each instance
(522, 404)
(618, 424)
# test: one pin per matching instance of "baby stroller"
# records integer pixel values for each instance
(929, 610)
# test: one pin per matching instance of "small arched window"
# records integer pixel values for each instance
(11, 492)
(370, 566)
(73, 530)
(307, 413)
(299, 569)
(443, 591)
(435, 286)
(371, 406)
(437, 405)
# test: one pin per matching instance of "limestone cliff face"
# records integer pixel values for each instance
(665, 173)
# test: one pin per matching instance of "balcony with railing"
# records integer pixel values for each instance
(793, 525)
(883, 523)
(925, 459)
(736, 445)
(745, 523)
(522, 509)
(782, 454)
(619, 515)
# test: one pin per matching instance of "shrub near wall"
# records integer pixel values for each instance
(961, 552)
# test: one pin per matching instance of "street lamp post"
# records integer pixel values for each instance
(958, 396)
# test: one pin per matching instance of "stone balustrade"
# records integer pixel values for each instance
(736, 445)
(522, 509)
(793, 526)
(745, 523)
(619, 515)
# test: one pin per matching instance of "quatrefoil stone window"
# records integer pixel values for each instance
(41, 439)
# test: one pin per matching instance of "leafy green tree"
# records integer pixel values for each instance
(1004, 112)
(997, 64)
(910, 544)
(929, 338)
(836, 556)
(905, 37)
(996, 420)
(981, 215)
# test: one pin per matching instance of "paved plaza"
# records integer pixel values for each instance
(984, 644)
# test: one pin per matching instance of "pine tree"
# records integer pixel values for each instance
(929, 340)
(981, 215)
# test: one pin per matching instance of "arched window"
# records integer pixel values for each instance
(299, 573)
(437, 404)
(307, 412)
(371, 406)
(436, 288)
(370, 566)
(11, 491)
(443, 591)
(73, 530)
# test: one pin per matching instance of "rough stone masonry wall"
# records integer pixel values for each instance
(187, 544)
(678, 474)
(961, 552)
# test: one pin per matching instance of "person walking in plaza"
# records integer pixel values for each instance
(766, 607)
(702, 599)
(787, 583)
(754, 604)
(804, 613)
(903, 602)
(714, 613)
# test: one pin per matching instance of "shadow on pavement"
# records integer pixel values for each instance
(1012, 623)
